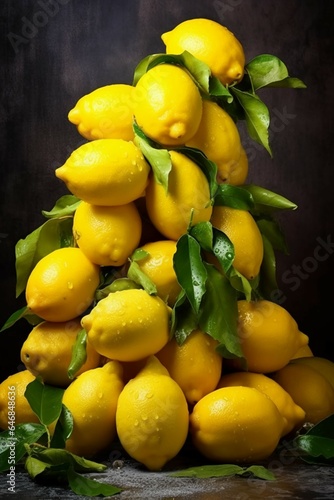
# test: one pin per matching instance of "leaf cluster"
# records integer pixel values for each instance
(44, 457)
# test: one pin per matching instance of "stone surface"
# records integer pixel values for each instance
(294, 479)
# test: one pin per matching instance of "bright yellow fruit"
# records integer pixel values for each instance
(106, 172)
(167, 104)
(242, 230)
(195, 365)
(218, 137)
(293, 415)
(309, 389)
(186, 202)
(158, 266)
(322, 365)
(304, 351)
(12, 400)
(237, 175)
(107, 235)
(62, 285)
(152, 416)
(128, 325)
(268, 334)
(47, 351)
(210, 42)
(92, 400)
(105, 113)
(236, 424)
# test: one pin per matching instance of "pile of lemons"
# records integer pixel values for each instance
(138, 384)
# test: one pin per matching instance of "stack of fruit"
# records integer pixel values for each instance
(150, 286)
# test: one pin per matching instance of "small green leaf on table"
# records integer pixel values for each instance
(82, 485)
(317, 445)
(24, 434)
(225, 470)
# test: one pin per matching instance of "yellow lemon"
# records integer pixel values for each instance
(322, 365)
(210, 42)
(14, 407)
(62, 285)
(309, 389)
(128, 325)
(237, 174)
(218, 137)
(92, 400)
(236, 424)
(268, 334)
(293, 415)
(152, 416)
(105, 113)
(107, 235)
(167, 104)
(105, 172)
(242, 230)
(195, 365)
(158, 266)
(47, 351)
(304, 351)
(186, 203)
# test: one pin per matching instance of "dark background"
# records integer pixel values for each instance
(55, 51)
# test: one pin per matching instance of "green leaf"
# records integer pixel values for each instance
(208, 167)
(35, 467)
(233, 196)
(268, 282)
(317, 445)
(116, 286)
(138, 276)
(53, 234)
(317, 449)
(13, 318)
(266, 201)
(223, 249)
(85, 486)
(159, 159)
(270, 228)
(203, 233)
(256, 115)
(184, 319)
(190, 270)
(45, 400)
(291, 83)
(199, 71)
(79, 354)
(66, 205)
(218, 312)
(217, 89)
(63, 429)
(268, 70)
(23, 434)
(139, 254)
(225, 470)
(58, 456)
(240, 283)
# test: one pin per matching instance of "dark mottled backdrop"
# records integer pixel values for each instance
(55, 51)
